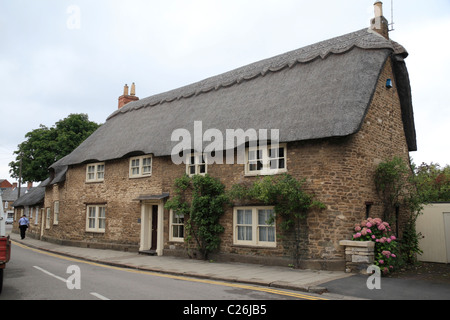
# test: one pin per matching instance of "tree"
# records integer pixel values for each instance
(433, 182)
(44, 146)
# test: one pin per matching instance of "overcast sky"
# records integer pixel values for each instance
(59, 57)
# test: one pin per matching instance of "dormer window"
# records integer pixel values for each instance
(95, 172)
(196, 164)
(266, 160)
(140, 167)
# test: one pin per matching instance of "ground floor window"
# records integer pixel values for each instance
(96, 218)
(176, 227)
(253, 226)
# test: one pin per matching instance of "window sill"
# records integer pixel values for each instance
(264, 173)
(248, 246)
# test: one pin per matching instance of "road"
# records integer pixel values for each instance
(37, 275)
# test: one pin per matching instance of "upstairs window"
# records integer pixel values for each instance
(140, 167)
(196, 164)
(266, 160)
(95, 172)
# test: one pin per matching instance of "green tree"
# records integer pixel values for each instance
(44, 146)
(433, 182)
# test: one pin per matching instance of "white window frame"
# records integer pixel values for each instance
(95, 223)
(47, 218)
(198, 157)
(265, 160)
(36, 217)
(254, 226)
(55, 213)
(175, 223)
(97, 174)
(137, 170)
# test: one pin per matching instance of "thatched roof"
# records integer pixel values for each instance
(320, 91)
(33, 197)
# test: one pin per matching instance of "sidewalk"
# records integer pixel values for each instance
(272, 276)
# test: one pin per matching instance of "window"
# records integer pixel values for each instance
(47, 218)
(176, 227)
(95, 172)
(96, 219)
(36, 217)
(140, 167)
(265, 160)
(196, 164)
(55, 212)
(253, 226)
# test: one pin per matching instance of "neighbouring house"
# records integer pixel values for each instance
(31, 204)
(340, 107)
(5, 184)
(11, 194)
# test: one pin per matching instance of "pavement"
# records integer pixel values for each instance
(333, 285)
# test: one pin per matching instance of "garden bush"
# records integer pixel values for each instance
(386, 250)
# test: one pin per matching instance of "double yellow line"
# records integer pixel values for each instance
(161, 275)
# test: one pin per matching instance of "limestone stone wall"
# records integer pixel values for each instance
(339, 171)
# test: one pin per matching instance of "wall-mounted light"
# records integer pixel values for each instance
(389, 83)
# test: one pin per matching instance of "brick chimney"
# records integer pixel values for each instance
(127, 98)
(379, 23)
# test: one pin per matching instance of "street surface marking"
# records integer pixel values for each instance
(50, 274)
(183, 278)
(99, 296)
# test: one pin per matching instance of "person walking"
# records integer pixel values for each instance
(23, 226)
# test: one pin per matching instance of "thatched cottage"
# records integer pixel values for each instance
(339, 108)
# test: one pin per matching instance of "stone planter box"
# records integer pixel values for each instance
(359, 255)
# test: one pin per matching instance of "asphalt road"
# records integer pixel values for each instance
(35, 275)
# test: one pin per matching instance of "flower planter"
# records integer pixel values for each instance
(359, 255)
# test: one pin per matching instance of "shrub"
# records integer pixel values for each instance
(378, 231)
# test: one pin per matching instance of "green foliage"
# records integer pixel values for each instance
(397, 187)
(433, 182)
(386, 246)
(44, 146)
(202, 200)
(291, 204)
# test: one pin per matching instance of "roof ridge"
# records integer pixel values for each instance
(363, 39)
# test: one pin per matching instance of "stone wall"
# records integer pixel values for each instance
(339, 171)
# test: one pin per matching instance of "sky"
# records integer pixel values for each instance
(60, 57)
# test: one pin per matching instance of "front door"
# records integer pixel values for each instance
(152, 229)
(154, 245)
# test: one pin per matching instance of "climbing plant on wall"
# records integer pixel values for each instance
(291, 205)
(201, 200)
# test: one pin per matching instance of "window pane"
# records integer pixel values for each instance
(244, 217)
(245, 233)
(147, 165)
